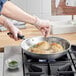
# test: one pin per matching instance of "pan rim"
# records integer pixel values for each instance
(65, 50)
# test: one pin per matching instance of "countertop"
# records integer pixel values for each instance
(30, 31)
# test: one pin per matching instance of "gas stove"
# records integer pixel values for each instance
(63, 66)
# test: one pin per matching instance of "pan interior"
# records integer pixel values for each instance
(35, 40)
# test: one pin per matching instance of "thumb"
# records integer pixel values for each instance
(15, 36)
(43, 32)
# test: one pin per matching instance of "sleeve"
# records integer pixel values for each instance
(1, 3)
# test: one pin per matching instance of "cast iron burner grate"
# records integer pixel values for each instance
(63, 66)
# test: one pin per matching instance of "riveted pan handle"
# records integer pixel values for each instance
(19, 36)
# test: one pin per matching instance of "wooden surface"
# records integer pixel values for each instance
(30, 31)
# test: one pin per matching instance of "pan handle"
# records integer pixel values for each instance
(19, 36)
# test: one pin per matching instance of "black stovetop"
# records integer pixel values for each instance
(63, 66)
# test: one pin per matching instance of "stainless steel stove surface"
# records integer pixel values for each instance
(63, 66)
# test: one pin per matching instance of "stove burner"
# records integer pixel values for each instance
(63, 66)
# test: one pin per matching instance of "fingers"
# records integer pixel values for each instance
(45, 31)
(11, 36)
(48, 30)
(14, 35)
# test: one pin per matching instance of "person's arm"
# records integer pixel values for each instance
(6, 23)
(12, 11)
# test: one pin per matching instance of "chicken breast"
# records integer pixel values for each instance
(56, 47)
(43, 45)
(41, 51)
(46, 48)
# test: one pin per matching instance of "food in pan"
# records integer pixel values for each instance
(42, 45)
(45, 48)
(41, 51)
(56, 47)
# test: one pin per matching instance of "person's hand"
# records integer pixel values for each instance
(44, 26)
(12, 29)
(14, 32)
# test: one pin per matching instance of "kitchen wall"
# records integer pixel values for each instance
(40, 8)
(63, 7)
